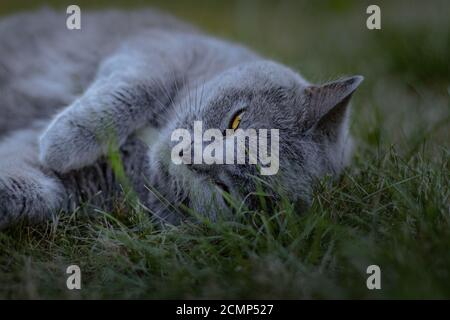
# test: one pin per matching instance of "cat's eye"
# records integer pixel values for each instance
(236, 121)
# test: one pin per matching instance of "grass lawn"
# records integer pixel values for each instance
(390, 207)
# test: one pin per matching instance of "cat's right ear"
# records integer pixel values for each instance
(327, 105)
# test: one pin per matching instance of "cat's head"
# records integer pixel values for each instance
(312, 124)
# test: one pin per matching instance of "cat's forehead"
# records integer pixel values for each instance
(255, 76)
(259, 84)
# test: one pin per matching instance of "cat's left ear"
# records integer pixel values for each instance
(327, 104)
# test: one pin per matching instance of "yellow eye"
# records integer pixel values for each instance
(236, 121)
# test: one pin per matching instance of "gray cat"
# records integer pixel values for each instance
(134, 77)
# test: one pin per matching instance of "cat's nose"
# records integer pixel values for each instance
(200, 168)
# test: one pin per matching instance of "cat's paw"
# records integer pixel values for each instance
(67, 145)
(12, 202)
(6, 216)
(33, 197)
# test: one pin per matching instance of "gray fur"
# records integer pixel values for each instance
(145, 75)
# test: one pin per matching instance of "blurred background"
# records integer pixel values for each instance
(406, 93)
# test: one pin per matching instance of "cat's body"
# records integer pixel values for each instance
(128, 73)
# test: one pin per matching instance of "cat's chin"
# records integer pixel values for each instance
(178, 194)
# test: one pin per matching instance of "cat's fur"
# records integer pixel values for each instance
(137, 76)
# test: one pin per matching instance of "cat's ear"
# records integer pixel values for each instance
(327, 104)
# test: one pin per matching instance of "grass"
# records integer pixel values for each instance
(390, 208)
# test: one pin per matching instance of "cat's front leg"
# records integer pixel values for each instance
(118, 103)
(108, 113)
